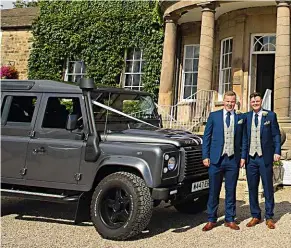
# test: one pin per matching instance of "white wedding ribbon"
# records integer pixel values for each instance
(121, 113)
(196, 138)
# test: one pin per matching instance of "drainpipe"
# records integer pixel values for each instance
(177, 65)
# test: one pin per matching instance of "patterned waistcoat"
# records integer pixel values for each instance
(228, 147)
(255, 146)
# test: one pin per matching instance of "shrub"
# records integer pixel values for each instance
(98, 33)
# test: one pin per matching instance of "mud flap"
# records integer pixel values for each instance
(82, 213)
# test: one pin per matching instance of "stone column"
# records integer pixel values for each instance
(282, 60)
(206, 47)
(168, 62)
(238, 63)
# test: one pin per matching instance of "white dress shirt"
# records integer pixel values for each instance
(260, 114)
(225, 115)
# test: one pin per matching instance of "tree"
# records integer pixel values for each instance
(25, 3)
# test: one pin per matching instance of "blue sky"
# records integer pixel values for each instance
(7, 4)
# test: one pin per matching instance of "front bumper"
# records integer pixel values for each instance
(179, 192)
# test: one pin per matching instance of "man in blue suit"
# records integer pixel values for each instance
(221, 152)
(262, 140)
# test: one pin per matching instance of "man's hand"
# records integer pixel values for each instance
(277, 157)
(242, 163)
(206, 162)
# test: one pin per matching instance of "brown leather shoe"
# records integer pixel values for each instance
(253, 222)
(270, 224)
(209, 226)
(232, 225)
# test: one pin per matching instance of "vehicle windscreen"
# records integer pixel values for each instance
(136, 105)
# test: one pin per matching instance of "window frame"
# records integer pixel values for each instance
(254, 41)
(22, 125)
(141, 60)
(184, 73)
(42, 114)
(221, 87)
(67, 74)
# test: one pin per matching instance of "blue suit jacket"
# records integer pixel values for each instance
(270, 136)
(213, 139)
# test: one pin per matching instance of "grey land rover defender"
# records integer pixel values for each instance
(103, 149)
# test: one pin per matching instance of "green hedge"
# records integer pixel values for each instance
(98, 32)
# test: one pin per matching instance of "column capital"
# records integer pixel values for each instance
(209, 6)
(173, 18)
(283, 3)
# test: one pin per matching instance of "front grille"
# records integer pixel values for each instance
(193, 162)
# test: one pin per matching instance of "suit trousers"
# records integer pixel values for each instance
(229, 169)
(255, 169)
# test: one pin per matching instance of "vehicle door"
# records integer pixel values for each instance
(18, 115)
(54, 153)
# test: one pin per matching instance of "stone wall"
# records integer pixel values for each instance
(15, 50)
(240, 25)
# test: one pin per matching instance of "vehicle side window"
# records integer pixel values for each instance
(58, 109)
(21, 108)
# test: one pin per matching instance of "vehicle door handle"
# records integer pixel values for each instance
(39, 150)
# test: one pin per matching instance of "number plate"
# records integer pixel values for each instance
(197, 186)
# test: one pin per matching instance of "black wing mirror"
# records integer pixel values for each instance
(72, 122)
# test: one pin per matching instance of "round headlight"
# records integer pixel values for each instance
(171, 163)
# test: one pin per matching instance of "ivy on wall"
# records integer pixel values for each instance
(97, 32)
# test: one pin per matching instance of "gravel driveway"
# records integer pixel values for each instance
(27, 223)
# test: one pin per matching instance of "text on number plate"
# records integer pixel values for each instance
(200, 185)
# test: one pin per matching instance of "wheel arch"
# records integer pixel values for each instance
(136, 166)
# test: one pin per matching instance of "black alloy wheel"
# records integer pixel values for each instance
(115, 208)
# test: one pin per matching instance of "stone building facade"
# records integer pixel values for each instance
(16, 38)
(209, 46)
(224, 45)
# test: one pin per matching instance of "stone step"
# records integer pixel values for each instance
(284, 120)
(287, 142)
(199, 129)
(286, 154)
(286, 129)
(285, 124)
(286, 147)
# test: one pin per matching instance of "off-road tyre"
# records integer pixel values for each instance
(139, 209)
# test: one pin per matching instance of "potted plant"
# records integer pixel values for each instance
(8, 72)
(278, 173)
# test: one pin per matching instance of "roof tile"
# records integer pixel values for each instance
(18, 17)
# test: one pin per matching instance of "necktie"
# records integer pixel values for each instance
(227, 121)
(256, 120)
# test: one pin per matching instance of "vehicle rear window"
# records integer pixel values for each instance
(21, 108)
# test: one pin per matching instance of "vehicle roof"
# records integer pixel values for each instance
(51, 86)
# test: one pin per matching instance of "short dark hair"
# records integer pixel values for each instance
(255, 94)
